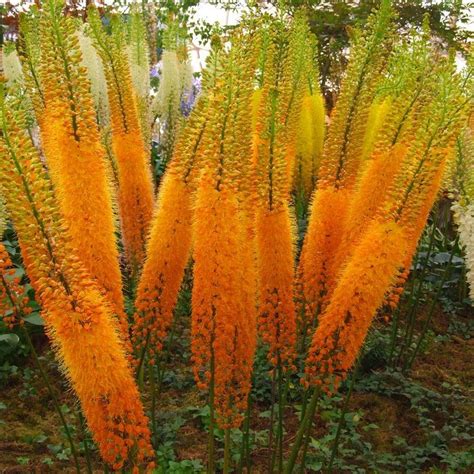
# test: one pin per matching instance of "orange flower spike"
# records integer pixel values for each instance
(75, 156)
(281, 98)
(78, 319)
(339, 167)
(375, 121)
(368, 201)
(277, 320)
(219, 329)
(169, 244)
(167, 255)
(317, 267)
(415, 221)
(360, 291)
(135, 194)
(223, 304)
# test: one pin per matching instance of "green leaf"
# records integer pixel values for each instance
(11, 339)
(34, 318)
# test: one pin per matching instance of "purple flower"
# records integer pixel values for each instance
(156, 70)
(189, 97)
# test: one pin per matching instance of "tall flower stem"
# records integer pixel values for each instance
(302, 430)
(396, 315)
(393, 336)
(86, 442)
(245, 448)
(227, 442)
(272, 419)
(408, 364)
(211, 444)
(415, 296)
(140, 370)
(54, 399)
(305, 447)
(340, 425)
(151, 374)
(282, 392)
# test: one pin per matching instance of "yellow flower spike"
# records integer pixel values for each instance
(309, 145)
(3, 216)
(139, 58)
(318, 115)
(78, 319)
(375, 121)
(29, 45)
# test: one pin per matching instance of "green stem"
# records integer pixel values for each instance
(278, 452)
(409, 363)
(140, 374)
(393, 336)
(304, 405)
(227, 451)
(272, 417)
(245, 448)
(211, 463)
(340, 425)
(303, 428)
(86, 443)
(415, 297)
(54, 399)
(151, 375)
(305, 447)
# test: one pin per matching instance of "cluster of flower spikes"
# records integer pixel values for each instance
(408, 84)
(169, 243)
(78, 319)
(287, 61)
(432, 147)
(75, 156)
(223, 303)
(317, 271)
(390, 238)
(135, 184)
